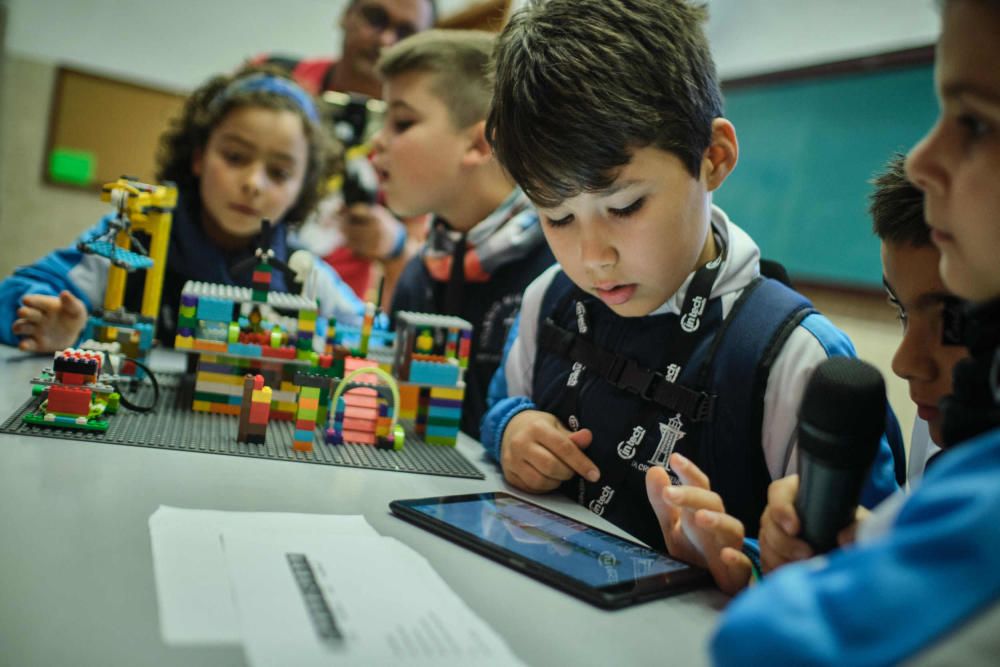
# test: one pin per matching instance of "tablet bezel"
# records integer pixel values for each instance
(615, 596)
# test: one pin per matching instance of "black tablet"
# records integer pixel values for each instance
(587, 562)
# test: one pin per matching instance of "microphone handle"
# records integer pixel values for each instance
(826, 502)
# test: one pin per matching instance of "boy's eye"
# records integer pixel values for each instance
(973, 127)
(402, 125)
(898, 307)
(628, 210)
(559, 222)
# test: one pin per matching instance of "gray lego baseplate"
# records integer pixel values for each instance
(173, 425)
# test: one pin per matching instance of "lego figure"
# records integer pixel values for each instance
(255, 410)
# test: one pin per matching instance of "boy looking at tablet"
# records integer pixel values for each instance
(656, 333)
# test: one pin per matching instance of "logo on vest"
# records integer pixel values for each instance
(574, 423)
(626, 449)
(574, 376)
(691, 321)
(581, 317)
(673, 372)
(670, 433)
(597, 505)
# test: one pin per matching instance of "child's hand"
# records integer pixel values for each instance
(779, 525)
(538, 453)
(49, 323)
(370, 230)
(695, 525)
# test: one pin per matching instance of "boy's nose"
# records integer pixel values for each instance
(911, 361)
(596, 252)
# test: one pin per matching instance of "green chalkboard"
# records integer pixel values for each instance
(808, 149)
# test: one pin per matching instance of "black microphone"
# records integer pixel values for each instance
(841, 421)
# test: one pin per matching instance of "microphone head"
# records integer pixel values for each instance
(843, 412)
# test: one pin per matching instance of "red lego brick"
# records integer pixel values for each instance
(69, 400)
(259, 413)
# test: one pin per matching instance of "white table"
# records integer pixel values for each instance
(76, 577)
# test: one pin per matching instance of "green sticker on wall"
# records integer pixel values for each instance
(72, 167)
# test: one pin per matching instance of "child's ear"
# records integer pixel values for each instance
(721, 155)
(197, 161)
(479, 150)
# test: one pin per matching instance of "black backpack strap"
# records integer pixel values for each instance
(737, 368)
(624, 373)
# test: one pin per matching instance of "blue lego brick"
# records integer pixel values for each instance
(425, 372)
(215, 310)
(442, 431)
(127, 259)
(145, 330)
(444, 413)
(245, 349)
(445, 403)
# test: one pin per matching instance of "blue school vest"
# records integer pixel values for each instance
(728, 369)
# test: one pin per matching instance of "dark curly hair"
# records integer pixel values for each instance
(189, 133)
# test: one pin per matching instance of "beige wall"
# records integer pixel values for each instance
(34, 217)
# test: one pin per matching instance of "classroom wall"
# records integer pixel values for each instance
(756, 36)
(159, 43)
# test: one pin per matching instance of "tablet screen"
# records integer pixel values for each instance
(590, 556)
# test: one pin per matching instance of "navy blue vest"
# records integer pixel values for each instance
(731, 361)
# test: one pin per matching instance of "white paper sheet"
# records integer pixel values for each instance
(388, 604)
(192, 584)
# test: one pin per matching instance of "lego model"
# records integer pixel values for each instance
(255, 410)
(361, 412)
(74, 394)
(139, 208)
(239, 330)
(314, 392)
(234, 333)
(429, 362)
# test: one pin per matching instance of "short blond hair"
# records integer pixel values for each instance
(458, 62)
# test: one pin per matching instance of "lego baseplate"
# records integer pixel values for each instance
(173, 425)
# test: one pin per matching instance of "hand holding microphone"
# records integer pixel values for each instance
(841, 422)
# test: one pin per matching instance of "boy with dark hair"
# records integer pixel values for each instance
(485, 244)
(656, 333)
(928, 352)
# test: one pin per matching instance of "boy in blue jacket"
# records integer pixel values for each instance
(656, 333)
(926, 590)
